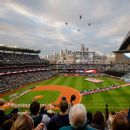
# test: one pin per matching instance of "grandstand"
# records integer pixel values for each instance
(20, 66)
(126, 77)
(19, 56)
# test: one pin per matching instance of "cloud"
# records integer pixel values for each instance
(41, 24)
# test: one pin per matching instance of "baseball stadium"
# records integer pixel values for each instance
(64, 65)
(26, 77)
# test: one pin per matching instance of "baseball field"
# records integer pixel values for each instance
(50, 92)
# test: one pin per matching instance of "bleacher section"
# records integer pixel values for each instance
(13, 81)
(19, 56)
(126, 77)
(19, 66)
(19, 59)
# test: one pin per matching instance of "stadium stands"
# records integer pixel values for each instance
(13, 81)
(19, 59)
(99, 67)
(126, 77)
(19, 66)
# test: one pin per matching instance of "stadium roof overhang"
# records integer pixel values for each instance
(122, 51)
(126, 42)
(16, 49)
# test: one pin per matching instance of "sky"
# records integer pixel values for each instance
(41, 24)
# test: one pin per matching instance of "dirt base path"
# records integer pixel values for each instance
(64, 91)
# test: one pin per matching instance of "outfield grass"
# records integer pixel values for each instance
(116, 99)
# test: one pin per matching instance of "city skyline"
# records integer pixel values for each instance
(52, 26)
(81, 56)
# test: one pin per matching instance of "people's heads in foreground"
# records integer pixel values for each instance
(111, 117)
(63, 106)
(2, 116)
(23, 122)
(77, 116)
(120, 122)
(34, 108)
(7, 124)
(98, 121)
(98, 118)
(89, 117)
(43, 110)
(14, 113)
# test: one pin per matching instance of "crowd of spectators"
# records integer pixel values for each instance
(13, 69)
(99, 67)
(69, 117)
(126, 77)
(19, 59)
(13, 81)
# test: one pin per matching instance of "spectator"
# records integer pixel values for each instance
(45, 117)
(2, 116)
(72, 99)
(7, 124)
(89, 117)
(43, 110)
(50, 113)
(110, 119)
(34, 109)
(14, 114)
(78, 119)
(63, 98)
(120, 122)
(25, 122)
(128, 115)
(106, 112)
(61, 119)
(98, 121)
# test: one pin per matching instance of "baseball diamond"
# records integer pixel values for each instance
(53, 89)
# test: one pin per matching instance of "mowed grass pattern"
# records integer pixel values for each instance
(116, 99)
(48, 97)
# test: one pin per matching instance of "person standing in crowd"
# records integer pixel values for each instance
(89, 117)
(78, 118)
(2, 116)
(36, 116)
(61, 119)
(106, 112)
(72, 99)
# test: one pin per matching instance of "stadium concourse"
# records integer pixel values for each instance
(20, 67)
